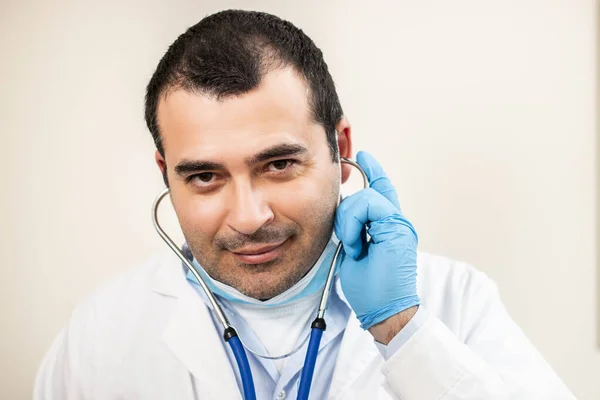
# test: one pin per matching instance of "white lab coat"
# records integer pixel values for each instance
(148, 335)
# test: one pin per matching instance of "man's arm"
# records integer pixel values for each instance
(386, 330)
(490, 358)
(53, 374)
(61, 372)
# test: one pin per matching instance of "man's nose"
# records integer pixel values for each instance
(249, 210)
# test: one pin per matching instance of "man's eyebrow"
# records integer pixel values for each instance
(279, 150)
(185, 167)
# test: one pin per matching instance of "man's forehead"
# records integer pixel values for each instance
(276, 112)
(281, 95)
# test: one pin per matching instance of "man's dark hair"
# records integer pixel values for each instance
(228, 53)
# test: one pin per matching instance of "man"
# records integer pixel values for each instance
(249, 133)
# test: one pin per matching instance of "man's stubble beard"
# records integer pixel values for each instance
(259, 281)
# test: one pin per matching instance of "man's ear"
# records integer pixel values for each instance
(162, 165)
(344, 141)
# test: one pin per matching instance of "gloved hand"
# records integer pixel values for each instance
(378, 278)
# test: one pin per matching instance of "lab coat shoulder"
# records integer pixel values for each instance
(454, 292)
(468, 347)
(112, 342)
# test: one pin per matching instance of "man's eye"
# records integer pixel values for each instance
(204, 177)
(279, 165)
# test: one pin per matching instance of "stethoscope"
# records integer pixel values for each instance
(230, 334)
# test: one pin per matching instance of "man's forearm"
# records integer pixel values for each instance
(385, 331)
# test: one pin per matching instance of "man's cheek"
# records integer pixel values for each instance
(198, 225)
(204, 212)
(302, 203)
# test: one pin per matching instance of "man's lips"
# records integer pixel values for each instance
(258, 255)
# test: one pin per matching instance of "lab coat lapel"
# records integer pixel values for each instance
(357, 352)
(192, 337)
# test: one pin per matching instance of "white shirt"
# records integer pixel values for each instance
(280, 328)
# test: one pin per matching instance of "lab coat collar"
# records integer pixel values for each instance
(357, 352)
(191, 336)
(166, 280)
(170, 279)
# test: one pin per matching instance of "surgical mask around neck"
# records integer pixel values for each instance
(312, 282)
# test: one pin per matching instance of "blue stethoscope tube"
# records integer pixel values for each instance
(316, 333)
(230, 334)
(241, 359)
(310, 361)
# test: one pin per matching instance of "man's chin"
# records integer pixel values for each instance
(259, 283)
(258, 269)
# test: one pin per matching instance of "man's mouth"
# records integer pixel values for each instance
(259, 254)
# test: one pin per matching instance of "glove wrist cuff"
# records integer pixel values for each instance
(368, 320)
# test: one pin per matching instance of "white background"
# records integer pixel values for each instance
(482, 112)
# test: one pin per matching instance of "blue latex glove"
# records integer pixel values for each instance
(379, 278)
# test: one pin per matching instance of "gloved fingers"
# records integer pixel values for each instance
(354, 212)
(345, 227)
(378, 179)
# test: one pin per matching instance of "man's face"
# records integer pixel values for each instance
(252, 182)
